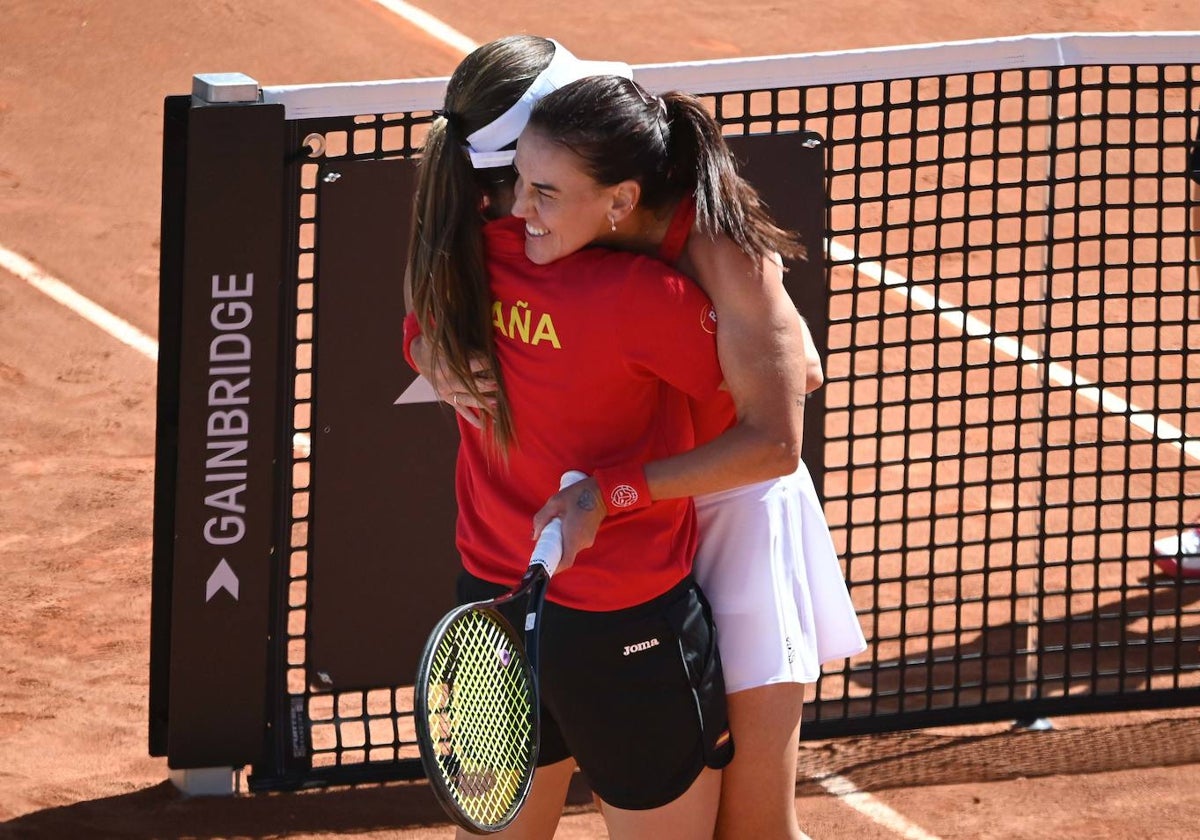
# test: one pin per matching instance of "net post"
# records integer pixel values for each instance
(224, 89)
(218, 465)
(205, 781)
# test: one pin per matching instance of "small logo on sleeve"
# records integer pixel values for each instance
(623, 496)
(708, 319)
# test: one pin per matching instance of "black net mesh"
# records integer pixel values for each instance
(1013, 346)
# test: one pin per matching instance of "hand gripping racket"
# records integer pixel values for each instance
(476, 699)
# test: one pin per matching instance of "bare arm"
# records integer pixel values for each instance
(762, 347)
(814, 372)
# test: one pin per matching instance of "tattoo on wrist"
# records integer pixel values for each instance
(586, 500)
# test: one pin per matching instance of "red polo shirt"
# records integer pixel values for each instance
(600, 352)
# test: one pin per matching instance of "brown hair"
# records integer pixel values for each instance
(446, 270)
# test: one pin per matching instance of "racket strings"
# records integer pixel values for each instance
(481, 716)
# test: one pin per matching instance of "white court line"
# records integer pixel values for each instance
(89, 310)
(57, 290)
(1058, 373)
(430, 25)
(845, 791)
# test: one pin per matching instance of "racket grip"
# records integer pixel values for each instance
(571, 477)
(548, 551)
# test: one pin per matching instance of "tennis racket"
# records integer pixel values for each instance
(476, 699)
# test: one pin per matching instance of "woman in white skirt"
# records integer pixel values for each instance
(765, 559)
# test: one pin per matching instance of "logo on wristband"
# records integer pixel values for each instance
(623, 496)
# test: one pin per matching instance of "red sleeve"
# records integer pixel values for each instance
(668, 328)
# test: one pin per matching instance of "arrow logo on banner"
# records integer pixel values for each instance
(221, 578)
(420, 391)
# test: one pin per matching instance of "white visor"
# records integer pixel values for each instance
(487, 145)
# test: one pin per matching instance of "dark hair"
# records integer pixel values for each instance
(670, 145)
(446, 271)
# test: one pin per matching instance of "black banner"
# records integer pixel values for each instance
(383, 557)
(226, 362)
(788, 171)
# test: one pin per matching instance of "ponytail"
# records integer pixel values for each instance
(726, 203)
(448, 275)
(446, 271)
(671, 146)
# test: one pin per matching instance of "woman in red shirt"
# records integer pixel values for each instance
(600, 352)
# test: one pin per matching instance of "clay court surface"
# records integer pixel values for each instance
(81, 95)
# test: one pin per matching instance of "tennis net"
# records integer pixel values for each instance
(1011, 341)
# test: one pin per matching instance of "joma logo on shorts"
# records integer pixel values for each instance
(640, 646)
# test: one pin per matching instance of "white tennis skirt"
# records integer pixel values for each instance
(768, 566)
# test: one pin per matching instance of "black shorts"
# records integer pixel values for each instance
(635, 696)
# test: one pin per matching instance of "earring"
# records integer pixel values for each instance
(613, 223)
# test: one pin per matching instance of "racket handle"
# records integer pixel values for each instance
(548, 551)
(571, 477)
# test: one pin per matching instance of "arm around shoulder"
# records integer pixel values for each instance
(761, 345)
